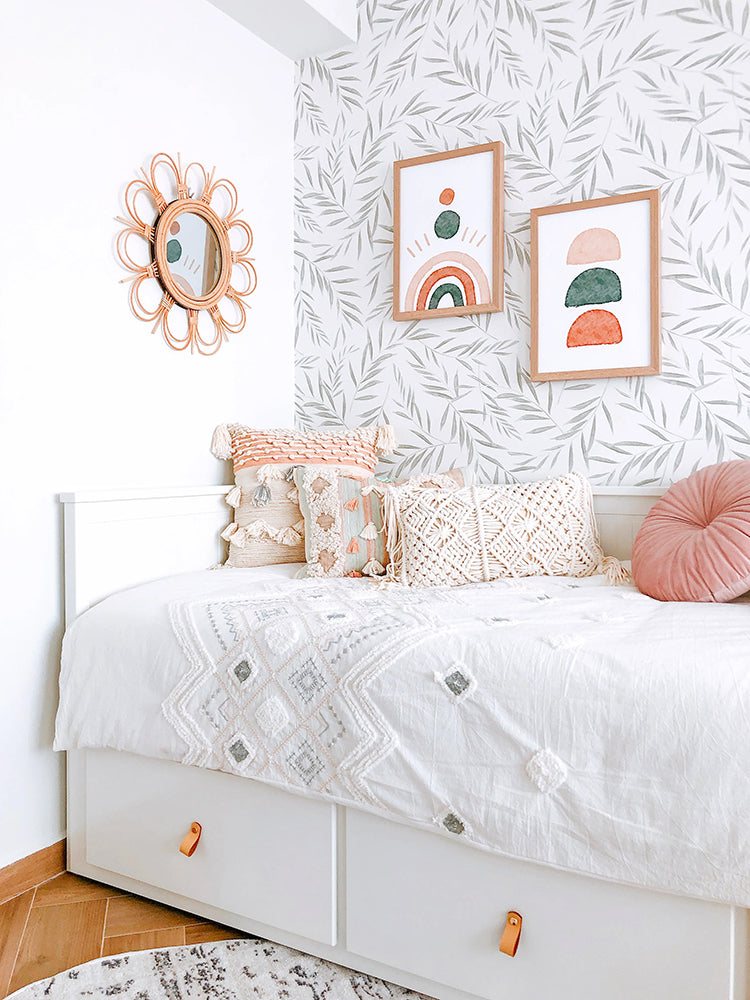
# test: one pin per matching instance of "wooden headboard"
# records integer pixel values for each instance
(118, 539)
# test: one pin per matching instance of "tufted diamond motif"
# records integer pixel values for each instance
(546, 770)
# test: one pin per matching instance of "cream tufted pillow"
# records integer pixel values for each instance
(479, 533)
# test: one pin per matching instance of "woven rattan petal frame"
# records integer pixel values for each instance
(234, 263)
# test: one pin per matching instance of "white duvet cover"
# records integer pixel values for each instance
(562, 721)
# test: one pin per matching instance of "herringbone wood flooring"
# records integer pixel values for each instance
(69, 920)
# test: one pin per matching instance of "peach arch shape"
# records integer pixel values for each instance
(455, 257)
(593, 245)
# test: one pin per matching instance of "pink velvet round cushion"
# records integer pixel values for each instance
(694, 544)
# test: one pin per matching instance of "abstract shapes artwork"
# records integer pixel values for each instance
(447, 229)
(603, 252)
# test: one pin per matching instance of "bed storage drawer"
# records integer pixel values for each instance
(263, 853)
(436, 908)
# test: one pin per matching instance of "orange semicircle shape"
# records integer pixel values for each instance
(594, 328)
(593, 245)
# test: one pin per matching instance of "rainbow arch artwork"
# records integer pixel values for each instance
(447, 233)
(450, 274)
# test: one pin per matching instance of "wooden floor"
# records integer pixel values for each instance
(69, 920)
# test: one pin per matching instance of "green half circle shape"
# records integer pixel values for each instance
(593, 287)
(447, 288)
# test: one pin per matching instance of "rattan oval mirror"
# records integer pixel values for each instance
(190, 252)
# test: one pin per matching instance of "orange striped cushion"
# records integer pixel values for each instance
(248, 447)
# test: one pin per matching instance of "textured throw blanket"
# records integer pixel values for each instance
(562, 721)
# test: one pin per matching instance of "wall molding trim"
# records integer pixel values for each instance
(31, 871)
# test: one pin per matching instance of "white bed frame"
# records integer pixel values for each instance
(410, 906)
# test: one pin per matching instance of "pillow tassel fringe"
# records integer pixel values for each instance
(261, 496)
(230, 532)
(614, 570)
(385, 440)
(393, 542)
(373, 568)
(234, 497)
(221, 442)
(288, 536)
(265, 472)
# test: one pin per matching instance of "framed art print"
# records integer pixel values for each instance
(595, 288)
(448, 232)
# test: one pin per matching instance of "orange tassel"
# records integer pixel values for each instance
(352, 504)
(353, 546)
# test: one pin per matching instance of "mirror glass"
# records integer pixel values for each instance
(193, 254)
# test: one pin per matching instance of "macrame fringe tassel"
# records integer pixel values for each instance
(221, 442)
(393, 542)
(385, 440)
(259, 529)
(262, 529)
(265, 472)
(234, 534)
(615, 572)
(234, 497)
(373, 568)
(288, 536)
(369, 531)
(261, 496)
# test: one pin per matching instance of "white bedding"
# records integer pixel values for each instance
(563, 721)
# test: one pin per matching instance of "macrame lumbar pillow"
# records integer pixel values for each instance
(343, 515)
(268, 526)
(479, 533)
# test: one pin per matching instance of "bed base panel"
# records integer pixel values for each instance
(405, 904)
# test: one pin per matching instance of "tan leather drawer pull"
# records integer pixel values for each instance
(511, 933)
(189, 844)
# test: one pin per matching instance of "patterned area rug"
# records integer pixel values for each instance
(224, 970)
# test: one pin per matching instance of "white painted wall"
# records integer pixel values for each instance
(88, 398)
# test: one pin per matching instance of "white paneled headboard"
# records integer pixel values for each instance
(619, 512)
(117, 539)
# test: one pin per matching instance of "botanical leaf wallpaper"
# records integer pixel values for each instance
(591, 98)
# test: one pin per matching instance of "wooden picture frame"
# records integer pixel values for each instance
(595, 288)
(448, 233)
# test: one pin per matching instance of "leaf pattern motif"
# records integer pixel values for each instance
(591, 98)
